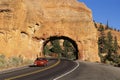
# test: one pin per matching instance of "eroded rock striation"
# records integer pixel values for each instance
(24, 23)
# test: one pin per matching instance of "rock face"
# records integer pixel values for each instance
(24, 23)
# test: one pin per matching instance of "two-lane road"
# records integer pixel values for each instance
(69, 70)
(53, 70)
(93, 71)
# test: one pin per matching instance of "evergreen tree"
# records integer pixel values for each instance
(109, 44)
(107, 25)
(66, 43)
(68, 48)
(118, 30)
(115, 29)
(101, 28)
(95, 25)
(102, 44)
(56, 48)
(101, 39)
(46, 50)
(115, 44)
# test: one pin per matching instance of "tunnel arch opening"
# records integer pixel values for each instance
(67, 48)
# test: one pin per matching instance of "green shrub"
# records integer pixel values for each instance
(13, 61)
(2, 61)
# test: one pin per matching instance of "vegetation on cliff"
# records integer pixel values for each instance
(13, 61)
(108, 46)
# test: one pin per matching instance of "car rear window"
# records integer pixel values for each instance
(41, 59)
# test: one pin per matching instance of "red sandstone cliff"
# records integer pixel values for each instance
(21, 20)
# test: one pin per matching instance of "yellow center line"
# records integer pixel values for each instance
(26, 74)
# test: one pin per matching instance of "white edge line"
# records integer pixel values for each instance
(67, 72)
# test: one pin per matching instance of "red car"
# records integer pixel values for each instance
(41, 62)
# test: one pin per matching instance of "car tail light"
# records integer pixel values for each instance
(35, 63)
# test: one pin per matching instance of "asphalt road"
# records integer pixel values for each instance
(55, 68)
(40, 73)
(93, 71)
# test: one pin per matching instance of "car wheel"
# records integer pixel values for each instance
(45, 65)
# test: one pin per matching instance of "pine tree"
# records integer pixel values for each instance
(66, 43)
(95, 25)
(101, 39)
(107, 25)
(56, 48)
(101, 28)
(101, 44)
(68, 48)
(46, 50)
(109, 45)
(115, 44)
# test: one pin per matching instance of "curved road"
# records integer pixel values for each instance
(93, 71)
(56, 68)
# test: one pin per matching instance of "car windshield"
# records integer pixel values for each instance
(40, 59)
